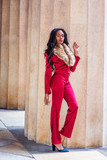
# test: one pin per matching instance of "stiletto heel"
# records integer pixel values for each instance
(53, 147)
(59, 150)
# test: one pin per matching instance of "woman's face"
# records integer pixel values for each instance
(60, 37)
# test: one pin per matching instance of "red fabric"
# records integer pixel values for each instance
(60, 67)
(61, 88)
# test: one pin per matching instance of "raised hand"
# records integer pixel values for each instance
(76, 48)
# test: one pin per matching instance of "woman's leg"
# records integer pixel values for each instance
(69, 96)
(57, 96)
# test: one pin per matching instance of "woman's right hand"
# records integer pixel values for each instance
(46, 99)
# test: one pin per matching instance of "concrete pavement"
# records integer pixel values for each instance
(14, 146)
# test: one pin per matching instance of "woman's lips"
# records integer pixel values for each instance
(61, 40)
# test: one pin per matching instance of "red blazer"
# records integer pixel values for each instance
(60, 67)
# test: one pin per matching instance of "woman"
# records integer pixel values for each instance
(62, 60)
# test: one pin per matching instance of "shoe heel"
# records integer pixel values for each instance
(53, 147)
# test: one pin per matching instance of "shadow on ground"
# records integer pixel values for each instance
(30, 145)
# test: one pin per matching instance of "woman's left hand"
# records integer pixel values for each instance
(76, 48)
(46, 99)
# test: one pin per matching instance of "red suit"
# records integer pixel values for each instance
(61, 88)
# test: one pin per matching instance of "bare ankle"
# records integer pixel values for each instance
(62, 138)
(59, 146)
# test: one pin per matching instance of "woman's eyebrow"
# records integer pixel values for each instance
(60, 34)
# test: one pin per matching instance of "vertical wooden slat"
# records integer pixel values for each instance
(4, 53)
(105, 82)
(32, 69)
(95, 73)
(22, 52)
(28, 69)
(13, 54)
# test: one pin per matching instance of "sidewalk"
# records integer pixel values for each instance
(14, 146)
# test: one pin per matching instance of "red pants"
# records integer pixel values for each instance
(61, 88)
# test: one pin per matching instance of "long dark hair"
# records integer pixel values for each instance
(52, 42)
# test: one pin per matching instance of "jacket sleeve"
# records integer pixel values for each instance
(72, 68)
(48, 73)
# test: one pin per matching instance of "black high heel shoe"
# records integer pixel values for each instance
(53, 147)
(59, 150)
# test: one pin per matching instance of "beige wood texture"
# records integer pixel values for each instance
(23, 27)
(5, 16)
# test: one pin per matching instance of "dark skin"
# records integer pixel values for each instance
(60, 40)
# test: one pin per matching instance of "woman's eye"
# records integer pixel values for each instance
(60, 35)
